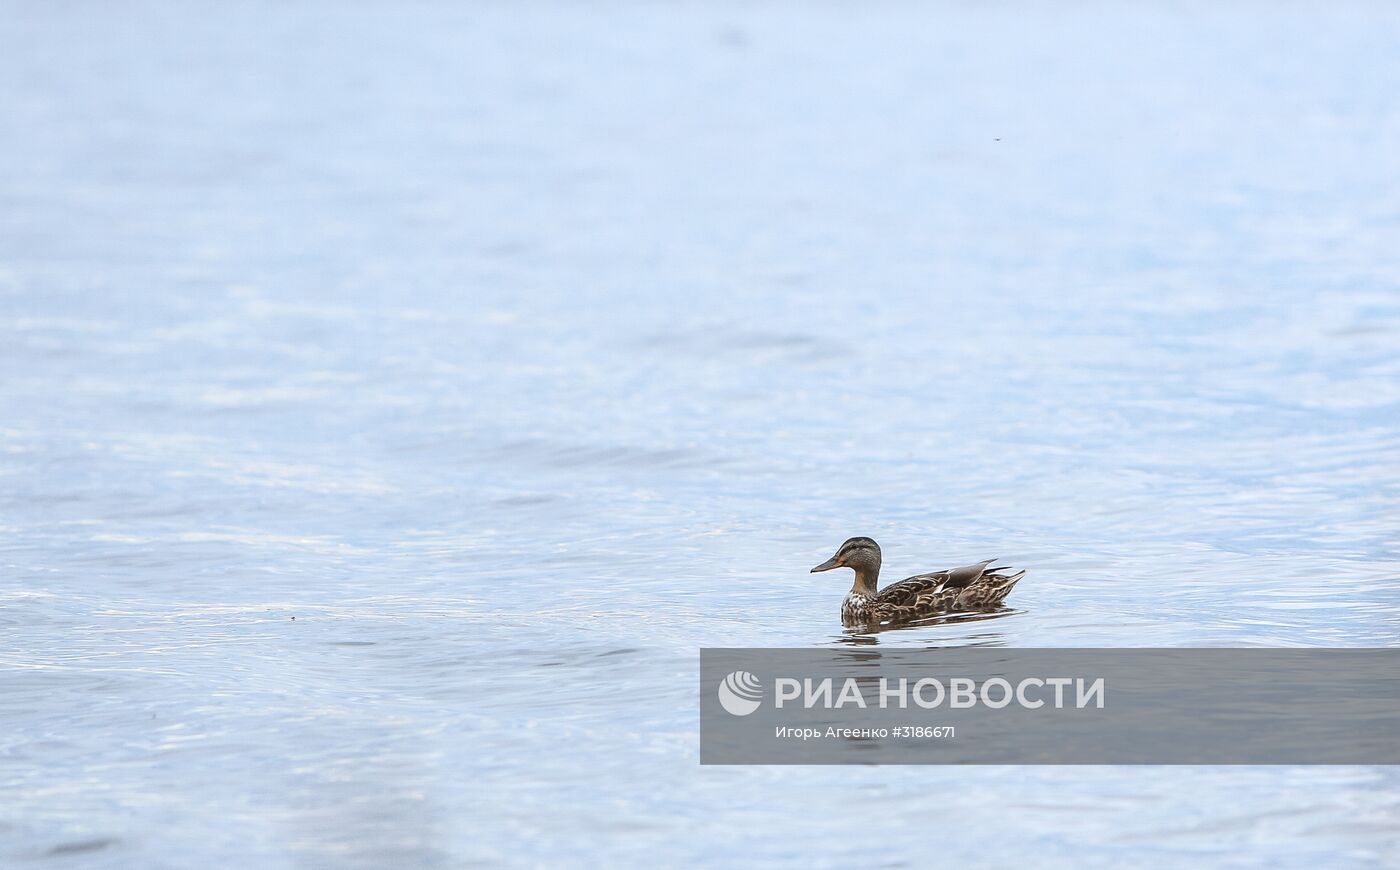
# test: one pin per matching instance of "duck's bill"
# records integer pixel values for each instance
(827, 565)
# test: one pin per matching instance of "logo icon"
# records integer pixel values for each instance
(740, 693)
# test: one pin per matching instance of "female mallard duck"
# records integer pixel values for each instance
(972, 587)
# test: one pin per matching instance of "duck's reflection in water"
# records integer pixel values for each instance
(868, 635)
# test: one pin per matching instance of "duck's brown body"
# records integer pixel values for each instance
(970, 588)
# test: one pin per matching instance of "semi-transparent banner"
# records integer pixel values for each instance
(1050, 706)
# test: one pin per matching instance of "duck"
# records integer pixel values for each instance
(955, 590)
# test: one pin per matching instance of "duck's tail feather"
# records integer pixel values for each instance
(990, 591)
(1010, 581)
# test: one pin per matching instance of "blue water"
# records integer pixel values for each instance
(396, 396)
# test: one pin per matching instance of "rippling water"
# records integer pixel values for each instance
(396, 398)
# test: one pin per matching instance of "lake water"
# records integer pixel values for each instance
(396, 397)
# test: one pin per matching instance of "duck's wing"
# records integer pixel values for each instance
(908, 590)
(971, 587)
(914, 597)
(960, 578)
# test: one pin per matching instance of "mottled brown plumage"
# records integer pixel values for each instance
(971, 587)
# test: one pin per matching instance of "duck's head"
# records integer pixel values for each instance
(862, 554)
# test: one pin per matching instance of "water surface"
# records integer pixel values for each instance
(395, 399)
